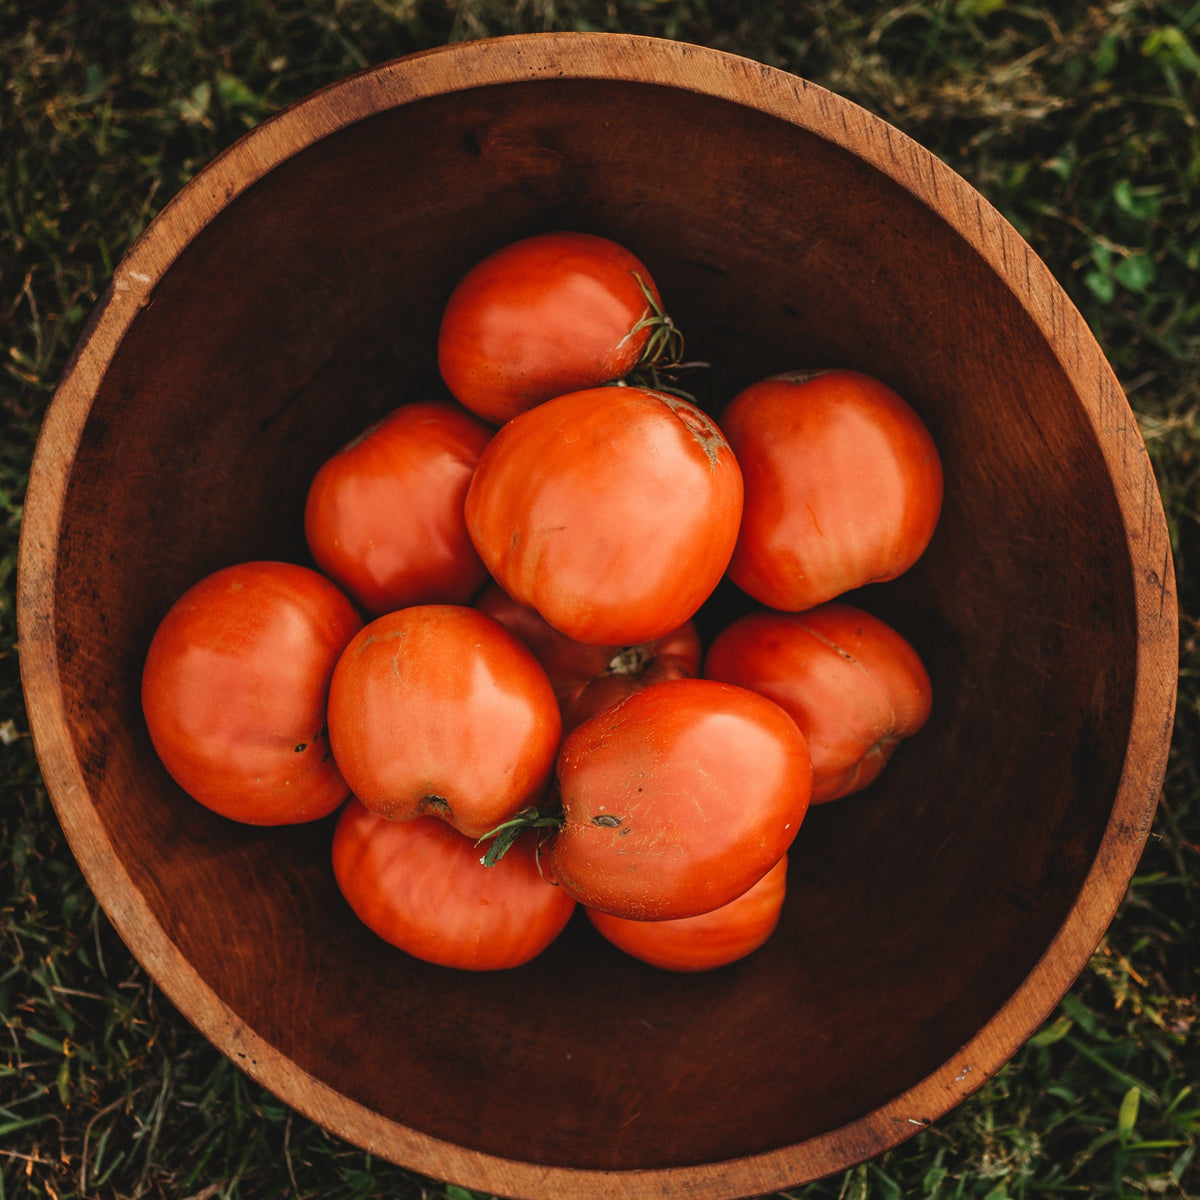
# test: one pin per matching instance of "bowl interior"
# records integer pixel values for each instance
(307, 308)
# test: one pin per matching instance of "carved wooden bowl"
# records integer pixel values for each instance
(292, 292)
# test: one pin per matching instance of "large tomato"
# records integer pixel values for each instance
(853, 684)
(438, 710)
(713, 939)
(612, 511)
(587, 679)
(676, 800)
(384, 516)
(843, 486)
(419, 885)
(550, 314)
(234, 690)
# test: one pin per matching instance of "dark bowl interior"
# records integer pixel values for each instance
(307, 307)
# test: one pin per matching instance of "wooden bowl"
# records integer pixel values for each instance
(292, 292)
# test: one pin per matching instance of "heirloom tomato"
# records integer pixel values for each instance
(843, 486)
(855, 686)
(384, 516)
(438, 710)
(612, 512)
(587, 679)
(234, 690)
(676, 800)
(713, 939)
(419, 885)
(553, 313)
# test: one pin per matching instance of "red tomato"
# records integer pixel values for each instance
(843, 486)
(612, 511)
(384, 517)
(438, 710)
(587, 679)
(551, 314)
(854, 686)
(234, 691)
(419, 885)
(677, 800)
(713, 939)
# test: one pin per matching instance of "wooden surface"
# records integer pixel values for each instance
(291, 293)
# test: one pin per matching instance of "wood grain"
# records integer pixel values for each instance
(291, 293)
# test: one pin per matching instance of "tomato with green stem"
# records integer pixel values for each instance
(550, 314)
(586, 678)
(671, 803)
(437, 710)
(419, 885)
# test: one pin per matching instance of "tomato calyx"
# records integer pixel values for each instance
(664, 346)
(507, 832)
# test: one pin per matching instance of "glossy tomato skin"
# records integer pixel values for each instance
(676, 800)
(234, 690)
(613, 512)
(384, 515)
(550, 314)
(852, 683)
(713, 939)
(843, 486)
(438, 710)
(420, 886)
(588, 679)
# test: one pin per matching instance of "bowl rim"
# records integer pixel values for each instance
(791, 99)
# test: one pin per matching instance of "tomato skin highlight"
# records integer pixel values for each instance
(384, 515)
(613, 512)
(550, 314)
(588, 679)
(234, 691)
(853, 684)
(843, 486)
(420, 886)
(676, 800)
(705, 942)
(438, 710)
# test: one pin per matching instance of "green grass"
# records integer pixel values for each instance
(1078, 120)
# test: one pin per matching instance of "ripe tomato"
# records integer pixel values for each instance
(384, 517)
(852, 683)
(587, 679)
(438, 710)
(713, 939)
(677, 800)
(234, 691)
(419, 885)
(843, 486)
(550, 314)
(612, 512)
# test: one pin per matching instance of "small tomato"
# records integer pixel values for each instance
(843, 486)
(854, 686)
(587, 679)
(384, 515)
(713, 939)
(438, 710)
(234, 691)
(553, 313)
(420, 886)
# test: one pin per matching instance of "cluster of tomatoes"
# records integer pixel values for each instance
(525, 721)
